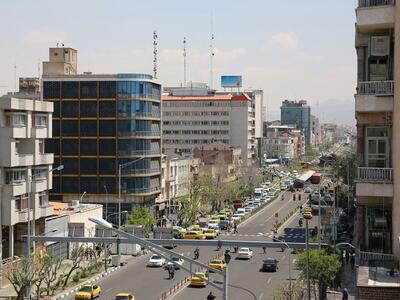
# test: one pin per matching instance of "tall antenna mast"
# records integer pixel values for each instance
(15, 77)
(184, 61)
(211, 52)
(155, 54)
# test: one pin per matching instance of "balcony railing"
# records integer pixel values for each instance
(139, 152)
(141, 114)
(371, 3)
(376, 88)
(142, 190)
(140, 133)
(375, 174)
(141, 171)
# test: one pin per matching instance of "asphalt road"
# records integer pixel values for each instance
(246, 282)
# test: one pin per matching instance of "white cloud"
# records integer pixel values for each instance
(45, 36)
(287, 40)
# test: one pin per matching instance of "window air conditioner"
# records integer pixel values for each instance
(379, 45)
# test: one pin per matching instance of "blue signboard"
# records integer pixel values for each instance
(231, 81)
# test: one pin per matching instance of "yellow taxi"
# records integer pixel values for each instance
(307, 214)
(210, 234)
(201, 279)
(124, 296)
(88, 291)
(193, 235)
(218, 264)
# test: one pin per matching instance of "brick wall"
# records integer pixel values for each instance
(378, 293)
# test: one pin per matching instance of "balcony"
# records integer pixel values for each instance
(142, 171)
(134, 134)
(374, 182)
(153, 115)
(375, 14)
(44, 159)
(378, 88)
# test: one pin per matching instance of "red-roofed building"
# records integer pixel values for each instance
(193, 118)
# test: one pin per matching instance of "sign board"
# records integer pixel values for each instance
(76, 229)
(163, 233)
(29, 84)
(232, 81)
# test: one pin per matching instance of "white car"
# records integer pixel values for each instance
(156, 261)
(178, 262)
(236, 217)
(215, 227)
(245, 253)
(212, 223)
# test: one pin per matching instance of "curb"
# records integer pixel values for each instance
(91, 280)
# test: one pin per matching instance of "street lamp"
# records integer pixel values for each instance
(84, 193)
(307, 215)
(105, 188)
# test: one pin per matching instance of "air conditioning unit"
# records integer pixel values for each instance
(379, 45)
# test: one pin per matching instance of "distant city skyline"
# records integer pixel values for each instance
(291, 50)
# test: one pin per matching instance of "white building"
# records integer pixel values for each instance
(315, 132)
(194, 117)
(24, 124)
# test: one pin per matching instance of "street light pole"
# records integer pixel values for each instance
(105, 188)
(290, 269)
(308, 264)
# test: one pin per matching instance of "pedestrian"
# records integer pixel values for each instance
(235, 228)
(347, 256)
(352, 259)
(210, 296)
(345, 294)
(219, 245)
(264, 250)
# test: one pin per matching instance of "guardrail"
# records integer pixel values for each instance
(371, 3)
(374, 174)
(375, 259)
(376, 88)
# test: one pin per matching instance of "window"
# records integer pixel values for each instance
(107, 128)
(88, 89)
(88, 109)
(107, 89)
(21, 202)
(43, 199)
(51, 89)
(39, 173)
(70, 128)
(109, 182)
(17, 147)
(107, 108)
(56, 109)
(70, 185)
(14, 176)
(88, 147)
(70, 89)
(70, 166)
(56, 128)
(70, 147)
(52, 146)
(40, 120)
(88, 184)
(88, 128)
(107, 166)
(16, 119)
(106, 147)
(88, 166)
(70, 109)
(41, 146)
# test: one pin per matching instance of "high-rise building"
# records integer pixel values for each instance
(24, 170)
(195, 116)
(315, 131)
(377, 44)
(101, 122)
(297, 113)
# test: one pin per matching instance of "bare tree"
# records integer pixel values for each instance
(285, 291)
(77, 256)
(53, 267)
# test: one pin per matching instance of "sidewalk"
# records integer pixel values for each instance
(348, 280)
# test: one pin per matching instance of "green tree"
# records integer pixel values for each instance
(77, 257)
(142, 216)
(324, 267)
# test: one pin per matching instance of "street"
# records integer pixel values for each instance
(245, 279)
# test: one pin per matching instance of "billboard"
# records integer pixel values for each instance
(29, 84)
(231, 81)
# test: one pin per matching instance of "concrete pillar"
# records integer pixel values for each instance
(11, 240)
(396, 138)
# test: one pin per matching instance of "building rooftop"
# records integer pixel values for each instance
(210, 97)
(121, 76)
(62, 208)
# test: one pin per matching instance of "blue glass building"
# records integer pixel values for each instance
(99, 123)
(299, 114)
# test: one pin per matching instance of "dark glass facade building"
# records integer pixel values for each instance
(100, 122)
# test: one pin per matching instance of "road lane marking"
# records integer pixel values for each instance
(269, 280)
(261, 296)
(284, 256)
(106, 291)
(294, 260)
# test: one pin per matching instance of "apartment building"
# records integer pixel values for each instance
(101, 123)
(195, 116)
(297, 113)
(315, 132)
(25, 170)
(377, 43)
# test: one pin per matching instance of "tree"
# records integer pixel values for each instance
(323, 268)
(77, 256)
(22, 274)
(53, 266)
(285, 291)
(142, 216)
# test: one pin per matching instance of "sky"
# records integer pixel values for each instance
(292, 49)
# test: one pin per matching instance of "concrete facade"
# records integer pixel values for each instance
(297, 113)
(378, 121)
(195, 118)
(24, 125)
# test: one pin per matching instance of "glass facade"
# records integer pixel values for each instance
(300, 116)
(99, 124)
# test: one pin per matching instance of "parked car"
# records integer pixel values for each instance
(269, 265)
(156, 261)
(244, 253)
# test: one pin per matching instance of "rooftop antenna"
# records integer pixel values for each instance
(184, 61)
(211, 52)
(155, 54)
(15, 77)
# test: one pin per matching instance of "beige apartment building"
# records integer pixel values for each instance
(377, 45)
(195, 116)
